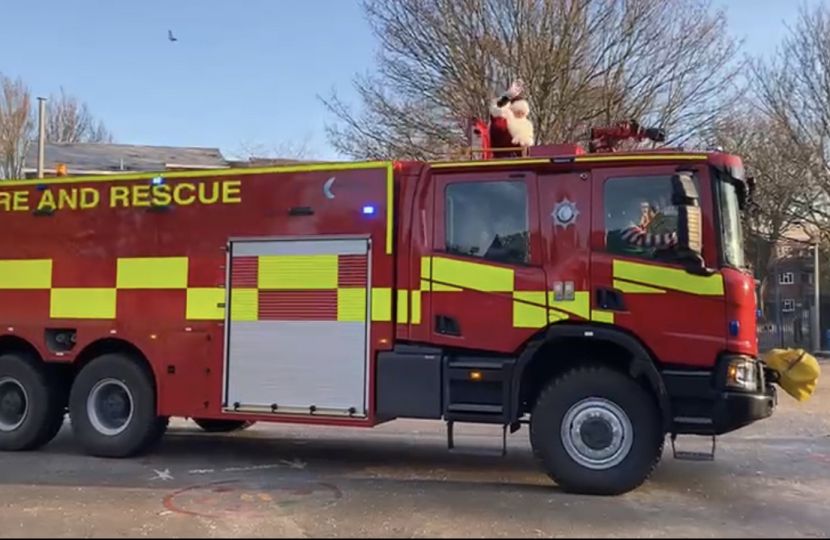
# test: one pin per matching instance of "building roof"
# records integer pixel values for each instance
(115, 158)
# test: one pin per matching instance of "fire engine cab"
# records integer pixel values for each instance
(600, 297)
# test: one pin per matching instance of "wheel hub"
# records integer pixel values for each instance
(14, 404)
(110, 407)
(596, 433)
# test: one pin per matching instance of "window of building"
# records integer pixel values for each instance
(488, 220)
(788, 305)
(640, 220)
(786, 278)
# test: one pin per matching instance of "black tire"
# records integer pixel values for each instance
(159, 429)
(43, 407)
(222, 426)
(613, 389)
(52, 429)
(139, 431)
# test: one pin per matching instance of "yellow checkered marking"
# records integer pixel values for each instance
(152, 273)
(293, 272)
(438, 275)
(351, 304)
(26, 274)
(82, 303)
(673, 279)
(531, 309)
(205, 304)
(100, 303)
(305, 273)
(244, 305)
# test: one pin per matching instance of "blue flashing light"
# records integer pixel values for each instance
(368, 210)
(157, 181)
(734, 328)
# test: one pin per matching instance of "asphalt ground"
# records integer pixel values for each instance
(398, 480)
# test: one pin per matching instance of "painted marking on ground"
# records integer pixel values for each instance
(235, 497)
(475, 476)
(284, 463)
(162, 475)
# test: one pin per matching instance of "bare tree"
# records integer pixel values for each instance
(669, 62)
(771, 156)
(68, 120)
(285, 151)
(16, 126)
(793, 88)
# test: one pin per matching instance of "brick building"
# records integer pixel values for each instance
(787, 295)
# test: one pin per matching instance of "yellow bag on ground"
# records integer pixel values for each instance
(798, 370)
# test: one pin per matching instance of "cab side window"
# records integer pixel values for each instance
(640, 220)
(488, 220)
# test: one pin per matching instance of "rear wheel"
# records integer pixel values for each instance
(222, 426)
(112, 407)
(31, 411)
(597, 431)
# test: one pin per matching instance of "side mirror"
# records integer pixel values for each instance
(686, 199)
(689, 222)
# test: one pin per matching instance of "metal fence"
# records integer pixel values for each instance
(795, 332)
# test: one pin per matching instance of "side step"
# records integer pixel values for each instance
(690, 455)
(503, 453)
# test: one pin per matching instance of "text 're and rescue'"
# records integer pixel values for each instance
(123, 196)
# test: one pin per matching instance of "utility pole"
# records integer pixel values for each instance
(41, 135)
(779, 323)
(816, 322)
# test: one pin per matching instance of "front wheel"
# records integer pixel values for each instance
(597, 431)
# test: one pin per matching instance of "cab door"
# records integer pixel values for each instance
(565, 209)
(678, 315)
(482, 281)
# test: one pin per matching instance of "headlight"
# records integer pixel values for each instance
(742, 373)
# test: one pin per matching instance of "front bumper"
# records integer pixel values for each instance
(702, 404)
(735, 410)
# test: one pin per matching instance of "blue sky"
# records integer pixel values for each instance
(223, 84)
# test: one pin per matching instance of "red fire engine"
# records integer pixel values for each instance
(532, 290)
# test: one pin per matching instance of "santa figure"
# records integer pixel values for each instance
(510, 126)
(519, 124)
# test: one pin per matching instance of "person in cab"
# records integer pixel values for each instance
(655, 230)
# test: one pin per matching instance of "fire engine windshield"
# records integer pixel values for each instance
(732, 241)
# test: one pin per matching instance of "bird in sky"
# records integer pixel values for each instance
(171, 37)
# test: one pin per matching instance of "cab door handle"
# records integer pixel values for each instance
(609, 299)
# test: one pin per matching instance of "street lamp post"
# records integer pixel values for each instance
(816, 322)
(41, 135)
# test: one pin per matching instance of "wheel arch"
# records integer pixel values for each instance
(11, 344)
(610, 345)
(113, 345)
